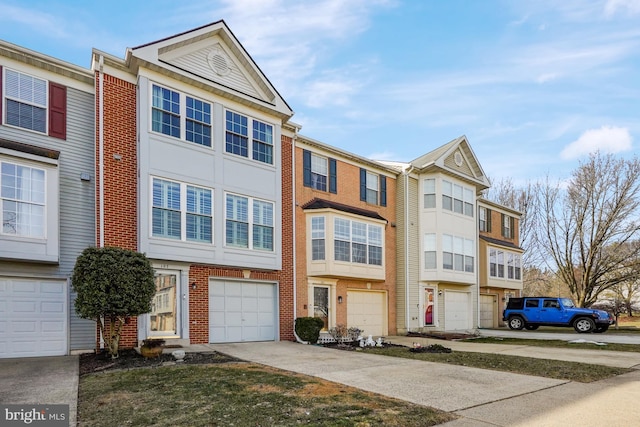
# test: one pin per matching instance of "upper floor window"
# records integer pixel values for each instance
(373, 188)
(484, 219)
(430, 259)
(33, 103)
(317, 238)
(319, 172)
(249, 223)
(457, 253)
(23, 200)
(237, 137)
(429, 193)
(457, 198)
(500, 260)
(357, 242)
(507, 226)
(169, 118)
(181, 211)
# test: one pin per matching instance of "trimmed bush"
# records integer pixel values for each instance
(308, 328)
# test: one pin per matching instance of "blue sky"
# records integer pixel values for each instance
(534, 85)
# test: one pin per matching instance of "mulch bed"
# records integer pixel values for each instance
(130, 359)
(448, 336)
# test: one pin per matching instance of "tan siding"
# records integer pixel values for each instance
(463, 169)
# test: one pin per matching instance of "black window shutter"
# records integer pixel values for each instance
(383, 190)
(57, 111)
(363, 184)
(504, 231)
(333, 176)
(306, 168)
(488, 220)
(512, 224)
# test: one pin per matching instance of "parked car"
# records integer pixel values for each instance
(531, 312)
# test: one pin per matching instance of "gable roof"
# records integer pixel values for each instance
(455, 157)
(211, 57)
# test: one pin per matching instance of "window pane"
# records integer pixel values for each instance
(359, 232)
(319, 172)
(447, 260)
(375, 235)
(198, 122)
(165, 115)
(359, 253)
(430, 261)
(342, 229)
(317, 249)
(375, 255)
(342, 250)
(237, 134)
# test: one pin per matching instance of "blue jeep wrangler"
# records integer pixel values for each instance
(531, 312)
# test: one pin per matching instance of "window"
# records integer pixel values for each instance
(165, 115)
(23, 200)
(198, 122)
(429, 193)
(240, 232)
(484, 219)
(508, 226)
(457, 198)
(175, 217)
(457, 254)
(25, 101)
(357, 242)
(317, 238)
(501, 260)
(430, 261)
(373, 188)
(168, 118)
(319, 172)
(429, 306)
(532, 303)
(237, 137)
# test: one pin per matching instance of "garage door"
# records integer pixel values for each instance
(457, 311)
(487, 311)
(366, 310)
(242, 311)
(33, 317)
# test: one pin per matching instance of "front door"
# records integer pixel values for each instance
(164, 319)
(321, 304)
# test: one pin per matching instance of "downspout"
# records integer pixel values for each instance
(101, 152)
(406, 244)
(295, 276)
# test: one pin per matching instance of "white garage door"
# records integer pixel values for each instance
(486, 311)
(457, 311)
(33, 317)
(242, 311)
(366, 311)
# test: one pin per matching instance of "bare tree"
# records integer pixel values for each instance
(587, 223)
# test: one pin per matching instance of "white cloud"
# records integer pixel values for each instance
(543, 78)
(607, 139)
(632, 7)
(38, 21)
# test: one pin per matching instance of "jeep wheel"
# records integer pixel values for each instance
(601, 328)
(582, 325)
(516, 323)
(530, 327)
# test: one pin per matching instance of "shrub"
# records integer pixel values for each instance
(308, 328)
(112, 284)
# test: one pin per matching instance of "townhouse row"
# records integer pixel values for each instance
(185, 151)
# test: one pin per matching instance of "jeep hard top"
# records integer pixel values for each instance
(531, 312)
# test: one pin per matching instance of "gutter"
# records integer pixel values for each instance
(406, 244)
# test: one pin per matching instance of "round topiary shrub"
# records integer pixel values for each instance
(308, 328)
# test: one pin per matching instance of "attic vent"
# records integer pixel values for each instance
(458, 158)
(219, 63)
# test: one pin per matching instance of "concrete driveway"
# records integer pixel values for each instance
(41, 381)
(480, 397)
(565, 334)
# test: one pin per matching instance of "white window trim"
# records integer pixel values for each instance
(183, 212)
(4, 96)
(323, 283)
(434, 313)
(367, 224)
(517, 261)
(250, 223)
(183, 116)
(250, 140)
